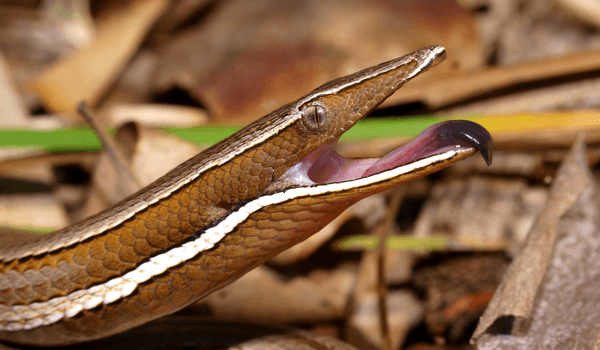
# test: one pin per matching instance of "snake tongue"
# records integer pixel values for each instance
(437, 139)
(329, 166)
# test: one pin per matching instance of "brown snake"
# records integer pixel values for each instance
(218, 215)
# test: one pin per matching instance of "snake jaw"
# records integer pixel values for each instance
(325, 165)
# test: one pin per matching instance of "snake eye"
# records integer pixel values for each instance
(314, 116)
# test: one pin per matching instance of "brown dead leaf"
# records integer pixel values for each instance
(522, 299)
(133, 85)
(534, 32)
(29, 41)
(550, 33)
(22, 169)
(587, 11)
(13, 112)
(446, 91)
(490, 17)
(363, 327)
(156, 115)
(263, 296)
(248, 60)
(457, 287)
(74, 18)
(180, 12)
(86, 75)
(402, 308)
(491, 213)
(37, 166)
(40, 211)
(568, 95)
(522, 164)
(190, 332)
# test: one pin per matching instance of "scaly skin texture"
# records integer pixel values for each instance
(186, 202)
(263, 235)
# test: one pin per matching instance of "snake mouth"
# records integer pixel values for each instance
(325, 165)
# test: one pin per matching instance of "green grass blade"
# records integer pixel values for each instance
(83, 139)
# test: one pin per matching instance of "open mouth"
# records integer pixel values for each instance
(325, 165)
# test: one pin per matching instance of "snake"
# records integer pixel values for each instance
(219, 214)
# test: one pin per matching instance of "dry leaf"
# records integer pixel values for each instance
(515, 298)
(13, 112)
(189, 332)
(457, 286)
(29, 41)
(490, 213)
(588, 11)
(156, 115)
(87, 74)
(363, 329)
(550, 33)
(36, 167)
(403, 309)
(263, 296)
(180, 12)
(40, 211)
(271, 60)
(450, 90)
(133, 85)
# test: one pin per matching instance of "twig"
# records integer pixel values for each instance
(442, 92)
(128, 182)
(382, 233)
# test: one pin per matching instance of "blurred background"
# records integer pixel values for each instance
(169, 77)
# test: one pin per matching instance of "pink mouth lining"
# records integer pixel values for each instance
(325, 165)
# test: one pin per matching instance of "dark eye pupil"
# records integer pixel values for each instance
(314, 116)
(315, 113)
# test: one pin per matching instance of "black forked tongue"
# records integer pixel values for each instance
(436, 139)
(466, 133)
